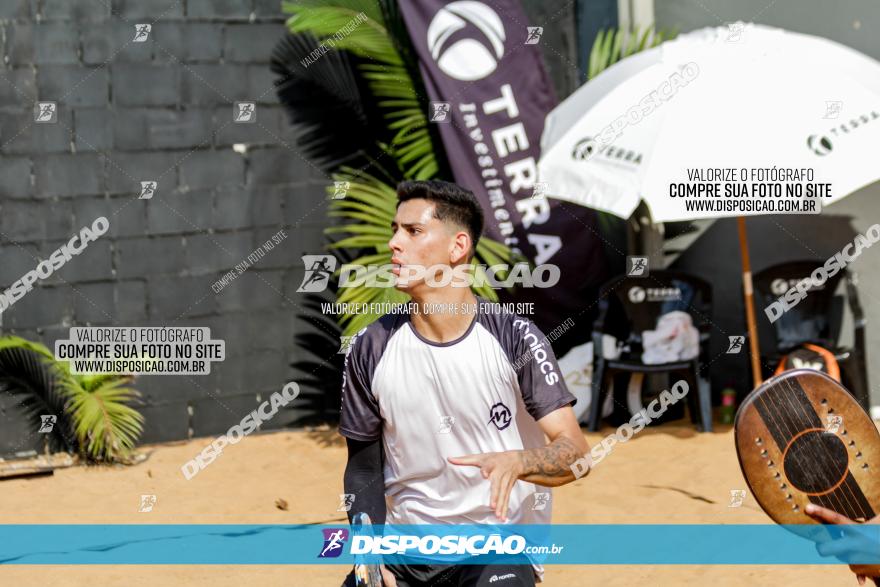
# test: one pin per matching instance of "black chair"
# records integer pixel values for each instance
(817, 319)
(630, 305)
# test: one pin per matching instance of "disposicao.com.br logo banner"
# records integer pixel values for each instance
(569, 544)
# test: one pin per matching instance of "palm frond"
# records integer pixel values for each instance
(318, 370)
(106, 427)
(345, 26)
(324, 101)
(93, 412)
(27, 372)
(380, 66)
(613, 45)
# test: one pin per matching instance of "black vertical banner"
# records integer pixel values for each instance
(483, 59)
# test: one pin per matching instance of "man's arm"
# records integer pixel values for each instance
(365, 479)
(550, 466)
(548, 401)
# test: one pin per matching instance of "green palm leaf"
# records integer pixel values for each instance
(94, 408)
(612, 45)
(383, 69)
(105, 425)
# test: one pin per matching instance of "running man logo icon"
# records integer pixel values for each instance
(340, 188)
(834, 423)
(141, 32)
(539, 190)
(637, 266)
(319, 268)
(832, 108)
(735, 344)
(346, 500)
(440, 111)
(245, 112)
(446, 423)
(344, 345)
(147, 503)
(541, 500)
(46, 112)
(736, 498)
(47, 423)
(148, 188)
(534, 34)
(334, 540)
(734, 32)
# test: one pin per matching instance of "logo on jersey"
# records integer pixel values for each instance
(499, 414)
(536, 348)
(334, 540)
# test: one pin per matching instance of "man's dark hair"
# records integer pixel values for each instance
(452, 203)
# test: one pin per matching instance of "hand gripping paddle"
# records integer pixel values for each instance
(366, 574)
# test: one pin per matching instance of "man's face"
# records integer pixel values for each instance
(420, 240)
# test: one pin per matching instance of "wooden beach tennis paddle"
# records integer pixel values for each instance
(802, 438)
(366, 574)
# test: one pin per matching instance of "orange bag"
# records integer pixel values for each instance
(810, 356)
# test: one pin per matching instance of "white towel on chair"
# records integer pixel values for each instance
(675, 339)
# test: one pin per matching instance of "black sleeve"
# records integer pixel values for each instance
(364, 478)
(360, 418)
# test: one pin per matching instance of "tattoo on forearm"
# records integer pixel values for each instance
(553, 460)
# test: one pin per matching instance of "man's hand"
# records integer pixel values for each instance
(549, 466)
(502, 469)
(848, 544)
(360, 575)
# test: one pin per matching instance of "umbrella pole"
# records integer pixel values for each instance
(754, 351)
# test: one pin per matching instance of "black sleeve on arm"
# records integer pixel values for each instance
(365, 479)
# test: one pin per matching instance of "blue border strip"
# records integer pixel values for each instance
(579, 544)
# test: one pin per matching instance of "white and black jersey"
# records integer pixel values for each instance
(428, 401)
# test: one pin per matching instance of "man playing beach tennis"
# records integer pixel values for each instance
(445, 407)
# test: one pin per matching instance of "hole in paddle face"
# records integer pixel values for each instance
(815, 461)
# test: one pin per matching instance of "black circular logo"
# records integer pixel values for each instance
(816, 461)
(820, 145)
(583, 149)
(499, 414)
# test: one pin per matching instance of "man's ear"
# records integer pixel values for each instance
(461, 247)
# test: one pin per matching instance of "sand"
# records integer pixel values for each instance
(668, 474)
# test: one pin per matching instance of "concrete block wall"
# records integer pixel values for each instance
(159, 110)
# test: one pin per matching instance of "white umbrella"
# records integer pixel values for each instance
(742, 97)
